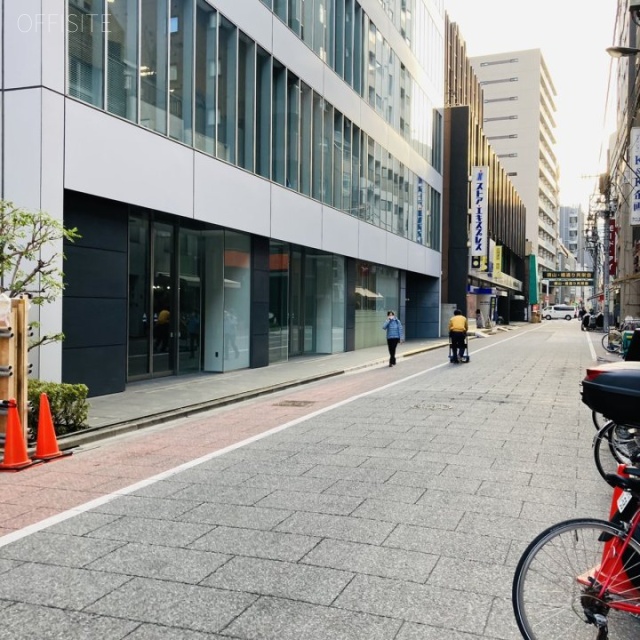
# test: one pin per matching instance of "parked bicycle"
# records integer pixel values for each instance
(613, 340)
(613, 445)
(580, 579)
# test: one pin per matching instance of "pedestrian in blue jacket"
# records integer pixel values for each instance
(395, 334)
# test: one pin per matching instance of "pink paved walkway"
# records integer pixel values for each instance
(39, 492)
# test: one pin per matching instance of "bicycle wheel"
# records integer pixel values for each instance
(598, 420)
(612, 341)
(556, 582)
(612, 445)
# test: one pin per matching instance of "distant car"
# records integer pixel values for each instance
(559, 311)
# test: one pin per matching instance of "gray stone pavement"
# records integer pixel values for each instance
(396, 514)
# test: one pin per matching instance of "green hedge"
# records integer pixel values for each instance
(68, 404)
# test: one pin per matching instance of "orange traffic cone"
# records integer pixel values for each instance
(47, 444)
(15, 446)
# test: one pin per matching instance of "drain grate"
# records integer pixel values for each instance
(294, 403)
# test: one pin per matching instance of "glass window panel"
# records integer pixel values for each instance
(228, 68)
(330, 33)
(189, 351)
(263, 113)
(278, 301)
(293, 131)
(379, 72)
(307, 22)
(345, 183)
(269, 3)
(377, 289)
(371, 180)
(205, 77)
(348, 41)
(280, 9)
(86, 52)
(181, 71)
(377, 185)
(316, 161)
(306, 117)
(338, 304)
(320, 26)
(371, 68)
(237, 300)
(358, 26)
(122, 59)
(279, 121)
(398, 221)
(339, 37)
(364, 177)
(140, 319)
(327, 155)
(355, 172)
(246, 101)
(295, 16)
(337, 159)
(154, 56)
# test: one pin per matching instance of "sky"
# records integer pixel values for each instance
(573, 37)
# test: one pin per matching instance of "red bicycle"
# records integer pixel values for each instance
(580, 579)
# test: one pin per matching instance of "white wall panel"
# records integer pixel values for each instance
(396, 251)
(252, 16)
(231, 197)
(297, 56)
(294, 218)
(52, 173)
(339, 233)
(53, 46)
(434, 262)
(417, 258)
(23, 37)
(108, 157)
(22, 151)
(341, 96)
(372, 243)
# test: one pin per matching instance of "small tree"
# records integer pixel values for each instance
(29, 260)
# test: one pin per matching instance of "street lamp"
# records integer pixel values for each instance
(622, 52)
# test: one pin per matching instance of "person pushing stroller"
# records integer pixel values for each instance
(458, 327)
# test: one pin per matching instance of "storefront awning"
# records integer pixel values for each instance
(361, 291)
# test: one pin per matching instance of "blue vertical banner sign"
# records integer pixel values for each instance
(420, 210)
(634, 178)
(479, 208)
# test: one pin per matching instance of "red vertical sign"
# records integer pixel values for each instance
(613, 265)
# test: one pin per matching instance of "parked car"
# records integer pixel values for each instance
(559, 311)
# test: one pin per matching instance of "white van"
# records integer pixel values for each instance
(559, 311)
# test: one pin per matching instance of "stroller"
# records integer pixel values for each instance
(465, 354)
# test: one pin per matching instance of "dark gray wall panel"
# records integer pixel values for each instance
(100, 368)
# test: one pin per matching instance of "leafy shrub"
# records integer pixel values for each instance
(68, 404)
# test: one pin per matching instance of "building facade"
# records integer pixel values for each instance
(519, 122)
(491, 279)
(618, 209)
(251, 180)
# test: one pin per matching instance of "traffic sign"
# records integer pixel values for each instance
(571, 283)
(571, 275)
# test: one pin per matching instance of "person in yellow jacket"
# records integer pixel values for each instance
(458, 327)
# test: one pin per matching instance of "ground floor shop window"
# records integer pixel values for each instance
(377, 291)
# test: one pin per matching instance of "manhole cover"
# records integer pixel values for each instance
(294, 403)
(433, 407)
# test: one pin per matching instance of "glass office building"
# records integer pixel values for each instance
(252, 180)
